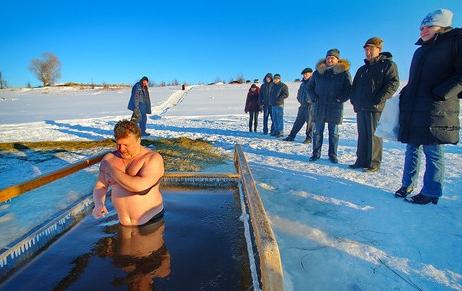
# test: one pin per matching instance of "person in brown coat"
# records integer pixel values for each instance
(252, 106)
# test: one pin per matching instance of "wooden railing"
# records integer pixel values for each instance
(268, 251)
(18, 189)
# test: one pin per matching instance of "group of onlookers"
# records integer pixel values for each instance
(428, 110)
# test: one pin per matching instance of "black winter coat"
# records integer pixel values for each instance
(429, 108)
(375, 82)
(302, 94)
(328, 89)
(252, 104)
(279, 92)
(265, 91)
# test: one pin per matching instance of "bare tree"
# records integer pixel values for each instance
(47, 69)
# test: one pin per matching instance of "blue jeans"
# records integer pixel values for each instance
(434, 168)
(267, 113)
(278, 119)
(144, 119)
(319, 136)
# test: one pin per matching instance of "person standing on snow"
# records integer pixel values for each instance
(304, 114)
(429, 105)
(328, 89)
(279, 92)
(252, 106)
(265, 92)
(375, 82)
(140, 104)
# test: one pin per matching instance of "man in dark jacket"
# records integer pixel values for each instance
(375, 82)
(140, 104)
(279, 92)
(304, 114)
(328, 89)
(429, 107)
(265, 92)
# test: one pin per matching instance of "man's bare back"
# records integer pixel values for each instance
(133, 172)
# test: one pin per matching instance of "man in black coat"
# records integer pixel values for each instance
(328, 89)
(429, 105)
(304, 114)
(264, 95)
(375, 82)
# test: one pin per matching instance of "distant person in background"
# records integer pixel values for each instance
(304, 114)
(429, 105)
(133, 173)
(279, 92)
(140, 104)
(375, 82)
(328, 88)
(265, 92)
(252, 106)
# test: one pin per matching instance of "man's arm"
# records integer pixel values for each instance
(99, 196)
(345, 95)
(147, 177)
(311, 88)
(452, 87)
(390, 84)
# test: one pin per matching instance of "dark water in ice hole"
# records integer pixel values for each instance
(198, 245)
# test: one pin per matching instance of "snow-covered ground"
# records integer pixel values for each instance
(337, 228)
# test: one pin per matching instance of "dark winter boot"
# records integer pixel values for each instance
(356, 166)
(403, 192)
(333, 160)
(421, 199)
(288, 138)
(314, 158)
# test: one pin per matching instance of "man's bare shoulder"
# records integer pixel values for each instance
(109, 156)
(152, 156)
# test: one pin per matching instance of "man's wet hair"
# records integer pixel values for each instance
(125, 127)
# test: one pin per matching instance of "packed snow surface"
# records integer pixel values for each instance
(337, 228)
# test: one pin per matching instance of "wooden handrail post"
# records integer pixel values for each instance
(268, 251)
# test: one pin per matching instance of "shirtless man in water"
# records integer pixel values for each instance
(133, 172)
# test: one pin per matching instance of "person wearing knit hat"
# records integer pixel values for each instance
(375, 82)
(328, 89)
(440, 17)
(140, 104)
(304, 114)
(279, 92)
(429, 106)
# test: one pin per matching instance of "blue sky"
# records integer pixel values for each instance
(120, 41)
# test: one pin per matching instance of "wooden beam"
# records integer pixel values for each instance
(268, 251)
(18, 189)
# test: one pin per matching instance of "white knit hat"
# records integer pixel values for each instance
(440, 17)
